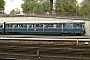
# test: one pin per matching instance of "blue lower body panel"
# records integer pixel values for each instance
(54, 31)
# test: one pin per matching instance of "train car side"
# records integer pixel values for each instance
(32, 28)
(44, 27)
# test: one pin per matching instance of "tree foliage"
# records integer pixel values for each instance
(12, 12)
(15, 11)
(2, 4)
(28, 5)
(36, 5)
(45, 6)
(65, 5)
(85, 7)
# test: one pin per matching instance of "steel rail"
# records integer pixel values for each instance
(44, 39)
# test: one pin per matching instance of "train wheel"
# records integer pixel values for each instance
(68, 34)
(0, 33)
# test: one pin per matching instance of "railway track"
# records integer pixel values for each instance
(43, 51)
(43, 36)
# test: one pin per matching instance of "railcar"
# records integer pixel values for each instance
(1, 27)
(71, 27)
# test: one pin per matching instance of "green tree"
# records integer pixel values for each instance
(12, 12)
(65, 6)
(2, 4)
(29, 5)
(15, 11)
(45, 6)
(36, 5)
(37, 8)
(85, 7)
(50, 2)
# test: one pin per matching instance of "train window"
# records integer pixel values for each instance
(13, 26)
(7, 25)
(71, 25)
(28, 26)
(35, 25)
(1, 26)
(83, 25)
(51, 25)
(63, 24)
(54, 25)
(43, 25)
(60, 25)
(19, 25)
(77, 25)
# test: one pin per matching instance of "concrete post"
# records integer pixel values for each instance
(38, 53)
(77, 42)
